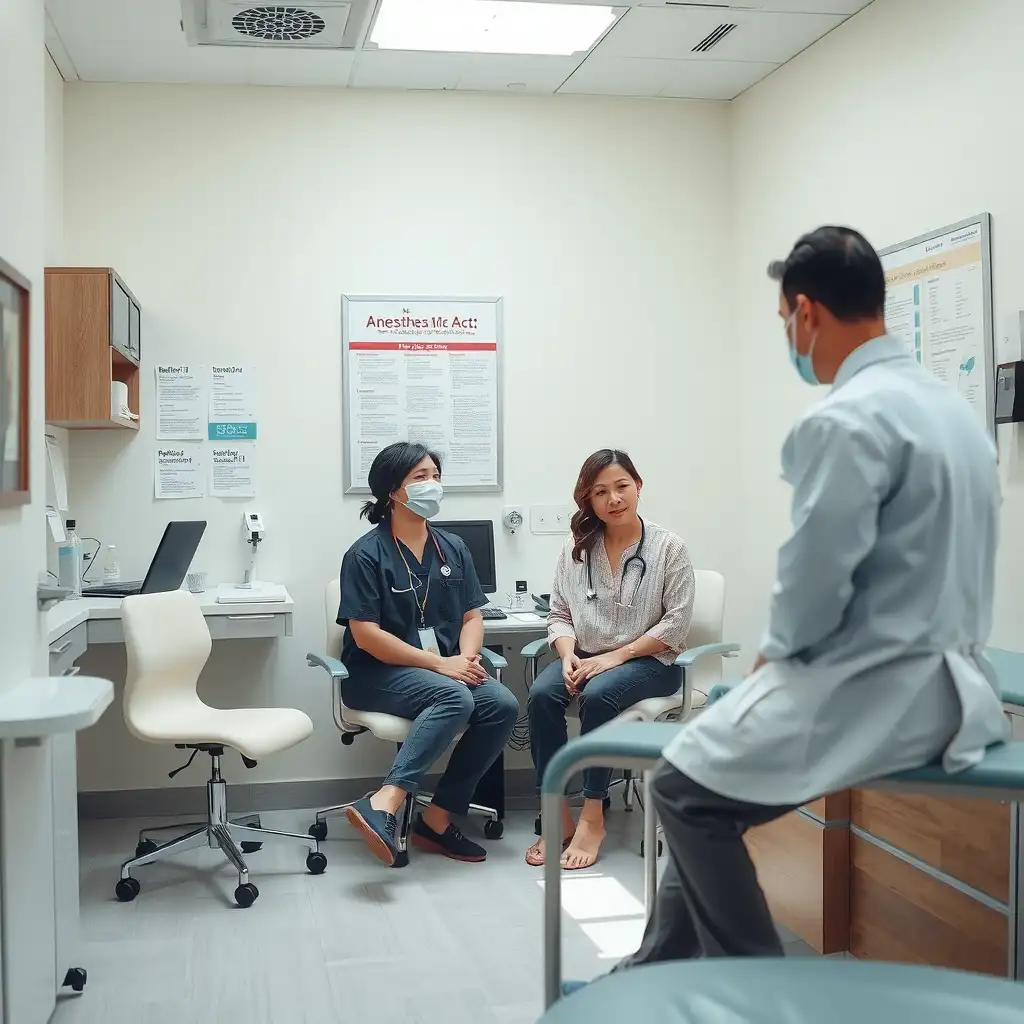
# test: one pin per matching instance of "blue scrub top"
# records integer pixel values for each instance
(372, 570)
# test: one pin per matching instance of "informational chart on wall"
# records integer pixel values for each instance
(939, 302)
(426, 370)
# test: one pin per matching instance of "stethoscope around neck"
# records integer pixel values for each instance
(445, 570)
(636, 557)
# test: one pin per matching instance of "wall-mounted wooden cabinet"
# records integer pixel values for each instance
(93, 337)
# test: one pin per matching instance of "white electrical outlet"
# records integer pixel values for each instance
(550, 518)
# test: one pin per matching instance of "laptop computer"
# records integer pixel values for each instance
(173, 556)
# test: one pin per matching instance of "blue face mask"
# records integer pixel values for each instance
(804, 363)
(424, 498)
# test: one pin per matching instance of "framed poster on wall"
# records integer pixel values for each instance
(14, 388)
(426, 370)
(939, 302)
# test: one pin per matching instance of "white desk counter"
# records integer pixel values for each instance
(76, 624)
(516, 622)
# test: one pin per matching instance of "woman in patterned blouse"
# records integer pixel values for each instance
(621, 603)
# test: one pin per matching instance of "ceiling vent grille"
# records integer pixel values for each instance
(278, 24)
(315, 24)
(714, 38)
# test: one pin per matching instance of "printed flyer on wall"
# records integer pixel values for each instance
(178, 471)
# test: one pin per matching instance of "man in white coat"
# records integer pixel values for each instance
(872, 660)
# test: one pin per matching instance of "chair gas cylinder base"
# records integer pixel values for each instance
(232, 836)
(168, 644)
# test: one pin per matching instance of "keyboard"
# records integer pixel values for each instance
(112, 589)
(493, 613)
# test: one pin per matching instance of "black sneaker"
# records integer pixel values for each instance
(378, 829)
(452, 843)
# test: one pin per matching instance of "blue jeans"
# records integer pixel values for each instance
(439, 708)
(604, 697)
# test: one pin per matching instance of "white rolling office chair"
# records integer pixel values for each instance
(390, 728)
(168, 644)
(701, 663)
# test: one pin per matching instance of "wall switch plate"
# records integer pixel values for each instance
(550, 518)
(521, 586)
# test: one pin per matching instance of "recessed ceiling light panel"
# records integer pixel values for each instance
(491, 26)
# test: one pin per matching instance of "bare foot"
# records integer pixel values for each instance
(584, 846)
(535, 854)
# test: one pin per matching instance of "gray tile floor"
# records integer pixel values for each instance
(434, 942)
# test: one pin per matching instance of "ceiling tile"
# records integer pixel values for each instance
(846, 7)
(631, 76)
(531, 74)
(714, 79)
(672, 32)
(620, 76)
(113, 62)
(396, 69)
(291, 67)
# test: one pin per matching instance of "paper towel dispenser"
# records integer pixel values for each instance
(1010, 392)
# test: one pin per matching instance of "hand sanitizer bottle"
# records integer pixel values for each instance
(69, 561)
(111, 566)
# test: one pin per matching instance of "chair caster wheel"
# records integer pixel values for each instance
(318, 830)
(146, 846)
(536, 826)
(493, 829)
(75, 979)
(127, 889)
(245, 895)
(251, 847)
(402, 860)
(316, 863)
(661, 848)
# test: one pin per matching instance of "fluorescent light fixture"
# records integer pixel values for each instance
(490, 26)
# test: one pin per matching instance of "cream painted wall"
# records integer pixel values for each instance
(26, 820)
(54, 248)
(902, 120)
(240, 216)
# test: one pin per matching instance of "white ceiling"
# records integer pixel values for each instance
(648, 52)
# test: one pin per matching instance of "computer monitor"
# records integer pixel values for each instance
(478, 535)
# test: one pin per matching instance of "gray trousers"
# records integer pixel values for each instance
(709, 901)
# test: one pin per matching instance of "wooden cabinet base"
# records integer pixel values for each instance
(901, 913)
(803, 867)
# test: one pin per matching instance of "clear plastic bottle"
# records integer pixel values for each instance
(111, 566)
(69, 561)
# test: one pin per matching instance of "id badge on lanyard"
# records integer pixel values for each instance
(428, 640)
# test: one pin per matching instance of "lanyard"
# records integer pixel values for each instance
(421, 606)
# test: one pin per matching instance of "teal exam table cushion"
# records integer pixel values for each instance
(794, 991)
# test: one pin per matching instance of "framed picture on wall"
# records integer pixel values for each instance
(14, 363)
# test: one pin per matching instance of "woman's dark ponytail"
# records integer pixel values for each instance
(375, 511)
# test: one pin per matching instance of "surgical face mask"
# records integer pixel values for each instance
(424, 498)
(804, 363)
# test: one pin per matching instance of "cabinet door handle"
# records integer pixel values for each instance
(270, 615)
(63, 647)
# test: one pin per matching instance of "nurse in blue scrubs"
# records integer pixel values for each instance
(410, 605)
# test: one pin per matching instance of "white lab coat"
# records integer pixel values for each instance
(882, 603)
